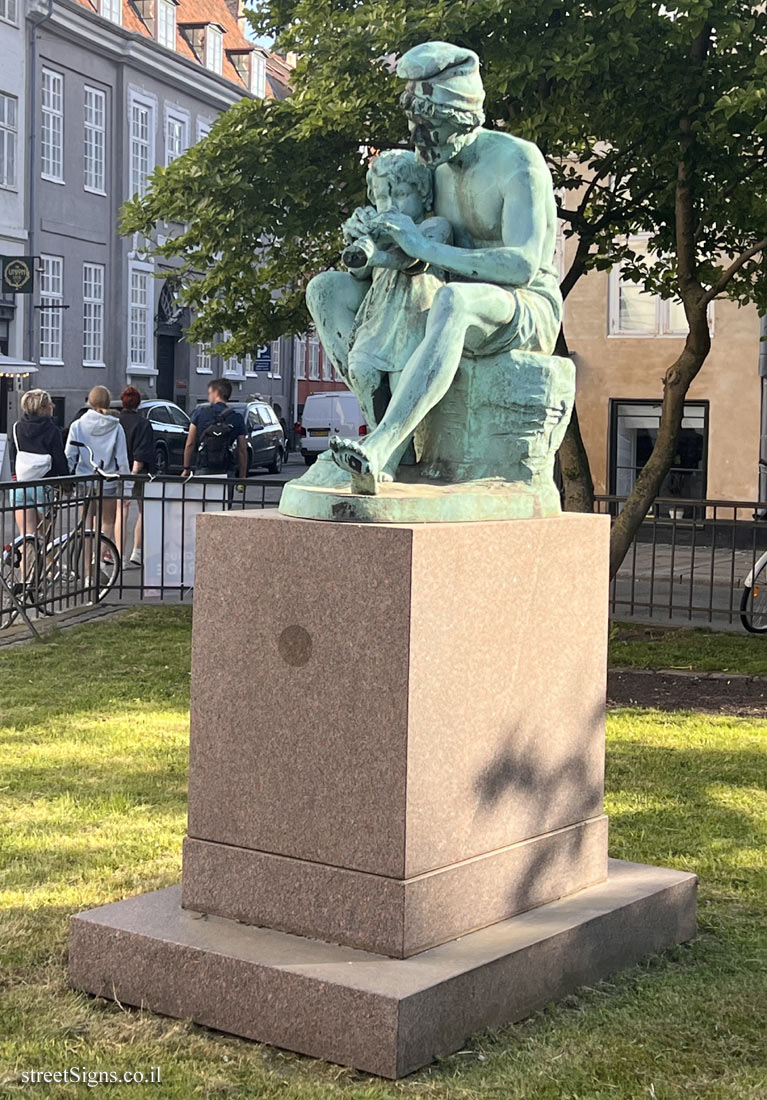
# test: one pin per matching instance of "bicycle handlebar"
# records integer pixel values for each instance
(92, 458)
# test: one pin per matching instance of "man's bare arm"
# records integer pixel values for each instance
(191, 444)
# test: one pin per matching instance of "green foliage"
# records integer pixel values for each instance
(610, 89)
(700, 650)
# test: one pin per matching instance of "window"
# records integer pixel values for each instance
(327, 367)
(52, 128)
(314, 357)
(138, 336)
(94, 149)
(299, 354)
(214, 55)
(166, 23)
(175, 137)
(112, 10)
(8, 11)
(51, 312)
(258, 74)
(633, 431)
(203, 128)
(141, 135)
(276, 357)
(8, 137)
(93, 314)
(204, 359)
(232, 365)
(635, 312)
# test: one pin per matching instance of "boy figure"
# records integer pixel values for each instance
(213, 433)
(391, 320)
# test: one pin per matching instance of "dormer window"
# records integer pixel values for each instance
(112, 10)
(166, 23)
(258, 74)
(214, 48)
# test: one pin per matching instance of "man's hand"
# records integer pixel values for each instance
(398, 228)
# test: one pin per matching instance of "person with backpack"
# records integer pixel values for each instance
(217, 436)
(36, 452)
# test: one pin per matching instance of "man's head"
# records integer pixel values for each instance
(220, 389)
(442, 99)
(397, 180)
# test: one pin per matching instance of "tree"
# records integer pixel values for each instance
(652, 118)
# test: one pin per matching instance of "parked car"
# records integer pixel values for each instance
(334, 413)
(171, 428)
(265, 437)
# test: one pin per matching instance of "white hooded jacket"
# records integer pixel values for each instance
(105, 437)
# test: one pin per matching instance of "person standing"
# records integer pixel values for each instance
(139, 440)
(103, 433)
(36, 452)
(217, 436)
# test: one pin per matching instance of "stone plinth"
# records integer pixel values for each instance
(408, 740)
(381, 1015)
(396, 833)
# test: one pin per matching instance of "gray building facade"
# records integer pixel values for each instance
(109, 102)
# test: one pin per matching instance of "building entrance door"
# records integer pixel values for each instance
(166, 366)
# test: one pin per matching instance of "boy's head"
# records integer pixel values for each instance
(398, 181)
(220, 389)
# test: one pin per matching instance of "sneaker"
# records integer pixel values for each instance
(135, 558)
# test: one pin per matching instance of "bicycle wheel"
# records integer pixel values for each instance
(20, 568)
(95, 561)
(753, 602)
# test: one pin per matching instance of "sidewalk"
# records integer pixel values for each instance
(701, 565)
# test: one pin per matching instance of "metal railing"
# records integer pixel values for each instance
(689, 560)
(70, 543)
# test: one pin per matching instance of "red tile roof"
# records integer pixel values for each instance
(200, 12)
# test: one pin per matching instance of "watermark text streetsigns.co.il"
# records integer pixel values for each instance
(80, 1075)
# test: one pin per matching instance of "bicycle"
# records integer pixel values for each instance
(753, 602)
(83, 559)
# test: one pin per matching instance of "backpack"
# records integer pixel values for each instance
(215, 450)
(30, 466)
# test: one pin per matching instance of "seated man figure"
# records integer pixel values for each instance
(503, 295)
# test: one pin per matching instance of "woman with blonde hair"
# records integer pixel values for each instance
(36, 452)
(102, 432)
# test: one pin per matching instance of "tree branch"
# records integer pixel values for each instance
(732, 270)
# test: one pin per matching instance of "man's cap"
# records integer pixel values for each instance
(446, 75)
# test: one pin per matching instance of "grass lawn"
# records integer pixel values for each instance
(683, 648)
(92, 808)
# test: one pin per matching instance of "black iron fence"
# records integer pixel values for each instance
(69, 543)
(689, 560)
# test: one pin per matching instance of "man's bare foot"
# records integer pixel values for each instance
(352, 457)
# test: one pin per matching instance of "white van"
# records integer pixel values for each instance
(326, 414)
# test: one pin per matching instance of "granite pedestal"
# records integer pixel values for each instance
(395, 829)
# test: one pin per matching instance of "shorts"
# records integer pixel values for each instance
(111, 488)
(34, 496)
(534, 326)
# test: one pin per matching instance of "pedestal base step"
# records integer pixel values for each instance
(380, 1015)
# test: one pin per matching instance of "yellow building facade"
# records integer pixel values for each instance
(622, 341)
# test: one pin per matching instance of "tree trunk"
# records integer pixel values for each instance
(573, 460)
(676, 384)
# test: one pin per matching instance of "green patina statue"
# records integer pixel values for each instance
(444, 326)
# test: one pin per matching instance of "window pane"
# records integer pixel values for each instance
(636, 309)
(51, 283)
(93, 313)
(635, 430)
(94, 111)
(51, 124)
(676, 321)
